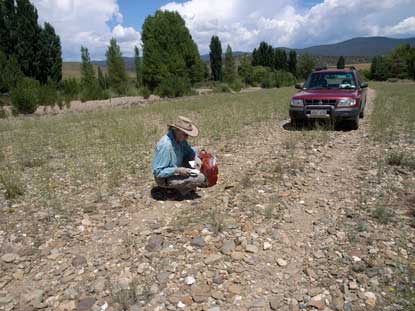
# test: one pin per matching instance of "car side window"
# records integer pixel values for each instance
(358, 78)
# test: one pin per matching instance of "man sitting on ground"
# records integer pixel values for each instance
(171, 168)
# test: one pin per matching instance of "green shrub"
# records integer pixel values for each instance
(173, 86)
(236, 85)
(70, 90)
(93, 92)
(145, 92)
(284, 78)
(260, 74)
(48, 95)
(3, 113)
(25, 97)
(365, 73)
(221, 88)
(267, 82)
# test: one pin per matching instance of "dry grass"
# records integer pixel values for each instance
(73, 70)
(61, 158)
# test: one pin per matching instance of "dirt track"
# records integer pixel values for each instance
(286, 228)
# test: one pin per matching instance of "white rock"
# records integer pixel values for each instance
(281, 262)
(267, 246)
(189, 280)
(181, 305)
(370, 298)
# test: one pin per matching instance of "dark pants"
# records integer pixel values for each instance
(182, 183)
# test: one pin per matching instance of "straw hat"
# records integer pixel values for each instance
(184, 124)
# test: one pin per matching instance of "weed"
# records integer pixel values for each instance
(12, 185)
(126, 296)
(383, 214)
(216, 220)
(362, 227)
(401, 158)
(269, 212)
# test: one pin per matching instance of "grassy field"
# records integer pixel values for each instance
(394, 113)
(57, 156)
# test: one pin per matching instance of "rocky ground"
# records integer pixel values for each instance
(297, 222)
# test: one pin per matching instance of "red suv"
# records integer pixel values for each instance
(333, 94)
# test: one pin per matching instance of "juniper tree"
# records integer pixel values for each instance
(341, 63)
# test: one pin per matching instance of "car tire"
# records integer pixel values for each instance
(296, 123)
(362, 114)
(354, 124)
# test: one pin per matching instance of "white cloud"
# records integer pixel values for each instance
(243, 24)
(87, 23)
(404, 27)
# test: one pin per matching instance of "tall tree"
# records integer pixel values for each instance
(411, 64)
(216, 58)
(10, 73)
(37, 50)
(306, 65)
(102, 79)
(341, 63)
(263, 56)
(50, 55)
(379, 70)
(138, 69)
(280, 61)
(246, 71)
(116, 67)
(8, 33)
(169, 51)
(229, 68)
(87, 69)
(292, 62)
(28, 47)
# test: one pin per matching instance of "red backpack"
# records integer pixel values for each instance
(209, 167)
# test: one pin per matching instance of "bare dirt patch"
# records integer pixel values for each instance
(288, 227)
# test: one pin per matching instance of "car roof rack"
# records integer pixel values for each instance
(321, 68)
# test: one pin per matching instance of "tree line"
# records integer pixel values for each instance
(399, 64)
(170, 64)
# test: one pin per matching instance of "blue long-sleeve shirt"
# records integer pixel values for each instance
(168, 155)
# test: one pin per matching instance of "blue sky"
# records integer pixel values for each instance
(135, 12)
(243, 24)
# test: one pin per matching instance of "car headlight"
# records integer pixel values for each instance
(346, 102)
(297, 102)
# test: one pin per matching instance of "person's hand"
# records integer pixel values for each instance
(182, 171)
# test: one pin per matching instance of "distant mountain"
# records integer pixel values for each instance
(364, 46)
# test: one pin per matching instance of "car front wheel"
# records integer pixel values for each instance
(354, 124)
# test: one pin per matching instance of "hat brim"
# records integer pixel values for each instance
(194, 132)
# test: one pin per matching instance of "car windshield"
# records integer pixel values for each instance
(330, 80)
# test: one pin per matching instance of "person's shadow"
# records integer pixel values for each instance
(163, 194)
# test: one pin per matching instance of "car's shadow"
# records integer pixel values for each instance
(317, 125)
